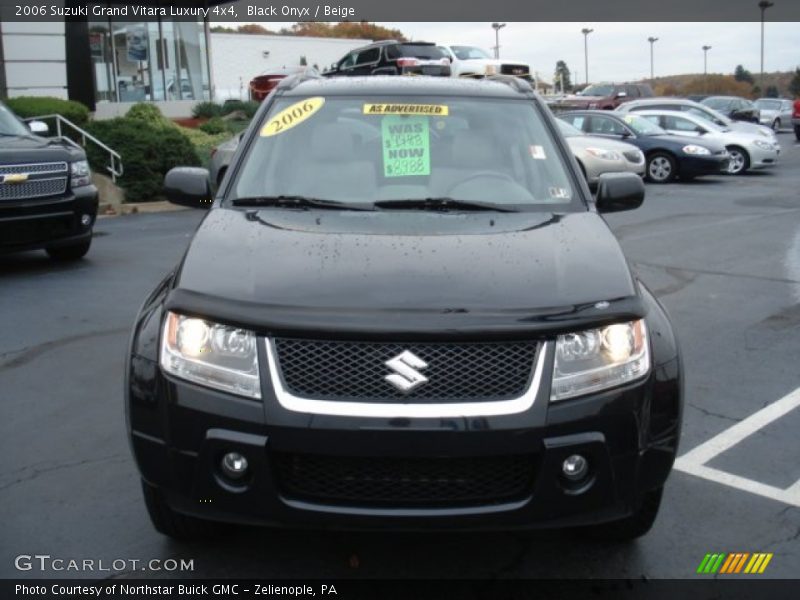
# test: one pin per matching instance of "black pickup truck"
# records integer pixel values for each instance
(47, 199)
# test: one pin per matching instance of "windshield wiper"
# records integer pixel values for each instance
(298, 202)
(442, 204)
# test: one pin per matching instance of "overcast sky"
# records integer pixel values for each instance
(620, 51)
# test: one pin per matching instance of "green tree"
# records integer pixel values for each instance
(794, 84)
(742, 74)
(562, 75)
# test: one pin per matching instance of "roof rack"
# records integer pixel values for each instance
(519, 85)
(292, 81)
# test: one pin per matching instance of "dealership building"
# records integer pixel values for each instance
(109, 65)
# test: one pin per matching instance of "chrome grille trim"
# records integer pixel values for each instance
(394, 410)
(35, 168)
(33, 188)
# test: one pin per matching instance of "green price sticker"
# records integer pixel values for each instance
(406, 146)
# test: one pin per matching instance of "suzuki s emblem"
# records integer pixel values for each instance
(14, 178)
(406, 375)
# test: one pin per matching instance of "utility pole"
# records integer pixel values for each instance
(585, 31)
(763, 5)
(652, 41)
(705, 65)
(497, 27)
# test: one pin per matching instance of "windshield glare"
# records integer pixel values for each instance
(468, 52)
(10, 124)
(598, 90)
(642, 126)
(363, 150)
(768, 104)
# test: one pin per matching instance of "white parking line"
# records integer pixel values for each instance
(694, 461)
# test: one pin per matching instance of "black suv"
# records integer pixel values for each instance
(394, 58)
(47, 199)
(403, 310)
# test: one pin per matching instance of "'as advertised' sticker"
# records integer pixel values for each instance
(431, 110)
(406, 146)
(291, 116)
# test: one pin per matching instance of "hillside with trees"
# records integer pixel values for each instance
(741, 83)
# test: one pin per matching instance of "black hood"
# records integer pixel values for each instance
(321, 270)
(19, 150)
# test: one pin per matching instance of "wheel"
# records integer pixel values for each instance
(740, 160)
(632, 527)
(776, 125)
(797, 132)
(661, 168)
(174, 524)
(71, 252)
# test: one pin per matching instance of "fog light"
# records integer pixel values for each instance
(86, 220)
(575, 467)
(234, 465)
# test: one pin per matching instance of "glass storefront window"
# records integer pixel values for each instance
(149, 61)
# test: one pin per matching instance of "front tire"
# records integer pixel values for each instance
(632, 527)
(661, 168)
(776, 125)
(70, 252)
(174, 524)
(797, 132)
(740, 160)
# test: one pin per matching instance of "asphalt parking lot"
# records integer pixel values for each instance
(723, 255)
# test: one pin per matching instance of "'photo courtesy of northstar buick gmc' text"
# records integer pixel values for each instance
(403, 310)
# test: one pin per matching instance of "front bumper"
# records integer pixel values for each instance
(696, 166)
(762, 158)
(179, 433)
(47, 222)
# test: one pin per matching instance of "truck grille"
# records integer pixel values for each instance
(518, 70)
(404, 482)
(355, 371)
(42, 179)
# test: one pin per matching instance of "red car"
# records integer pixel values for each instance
(262, 85)
(796, 119)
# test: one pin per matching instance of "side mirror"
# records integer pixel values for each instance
(39, 127)
(619, 191)
(188, 186)
(700, 130)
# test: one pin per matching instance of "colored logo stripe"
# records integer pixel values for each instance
(734, 562)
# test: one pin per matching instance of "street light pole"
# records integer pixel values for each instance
(585, 31)
(705, 65)
(763, 5)
(497, 27)
(652, 41)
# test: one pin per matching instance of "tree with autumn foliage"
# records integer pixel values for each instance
(344, 29)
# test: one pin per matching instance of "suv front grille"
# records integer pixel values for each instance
(355, 371)
(404, 482)
(43, 179)
(519, 70)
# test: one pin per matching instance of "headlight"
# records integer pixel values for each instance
(763, 145)
(210, 354)
(696, 150)
(597, 359)
(491, 69)
(604, 154)
(81, 175)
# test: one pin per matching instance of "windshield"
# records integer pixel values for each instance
(768, 104)
(598, 90)
(369, 149)
(709, 115)
(642, 126)
(10, 124)
(568, 130)
(718, 103)
(468, 52)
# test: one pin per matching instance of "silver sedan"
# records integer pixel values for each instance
(597, 155)
(775, 112)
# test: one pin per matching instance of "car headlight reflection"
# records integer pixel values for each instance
(696, 150)
(597, 359)
(210, 354)
(80, 173)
